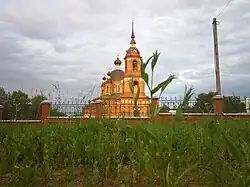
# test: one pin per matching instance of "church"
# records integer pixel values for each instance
(115, 91)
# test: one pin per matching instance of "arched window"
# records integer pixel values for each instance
(136, 85)
(121, 89)
(135, 65)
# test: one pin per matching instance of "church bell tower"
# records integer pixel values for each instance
(133, 68)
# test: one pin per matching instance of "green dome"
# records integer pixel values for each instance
(117, 75)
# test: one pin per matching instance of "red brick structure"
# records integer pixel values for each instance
(45, 109)
(155, 103)
(98, 109)
(218, 104)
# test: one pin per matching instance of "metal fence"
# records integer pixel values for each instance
(108, 108)
(166, 104)
(113, 108)
(68, 109)
(118, 109)
(172, 103)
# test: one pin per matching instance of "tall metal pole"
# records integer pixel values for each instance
(216, 57)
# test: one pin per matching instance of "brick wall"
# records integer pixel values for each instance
(162, 117)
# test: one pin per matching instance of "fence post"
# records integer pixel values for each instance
(1, 112)
(155, 103)
(218, 104)
(98, 109)
(45, 109)
(248, 105)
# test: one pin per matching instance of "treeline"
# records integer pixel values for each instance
(204, 104)
(20, 106)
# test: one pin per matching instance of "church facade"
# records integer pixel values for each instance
(115, 92)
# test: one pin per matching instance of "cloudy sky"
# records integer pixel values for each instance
(75, 42)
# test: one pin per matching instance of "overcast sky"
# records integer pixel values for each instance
(75, 42)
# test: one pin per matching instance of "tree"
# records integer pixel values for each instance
(204, 103)
(5, 99)
(20, 104)
(231, 104)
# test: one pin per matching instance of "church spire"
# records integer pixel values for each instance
(132, 42)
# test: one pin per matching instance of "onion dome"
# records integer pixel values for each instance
(117, 62)
(117, 75)
(109, 80)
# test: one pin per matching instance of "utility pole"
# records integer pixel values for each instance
(216, 57)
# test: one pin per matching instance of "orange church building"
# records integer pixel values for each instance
(115, 94)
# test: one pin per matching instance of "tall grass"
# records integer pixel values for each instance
(110, 153)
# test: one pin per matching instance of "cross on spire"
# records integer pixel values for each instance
(132, 34)
(132, 42)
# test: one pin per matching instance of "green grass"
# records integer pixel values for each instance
(215, 153)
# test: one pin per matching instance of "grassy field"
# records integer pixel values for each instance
(104, 153)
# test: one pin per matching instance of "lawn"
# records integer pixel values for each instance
(115, 153)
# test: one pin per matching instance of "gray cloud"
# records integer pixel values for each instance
(75, 42)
